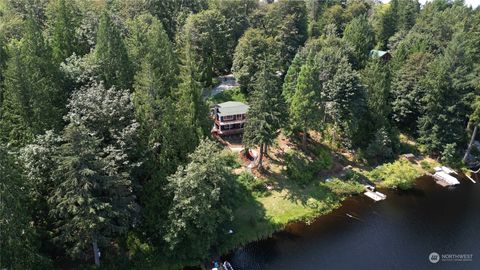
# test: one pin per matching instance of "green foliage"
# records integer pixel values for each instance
(173, 13)
(30, 76)
(399, 174)
(265, 115)
(253, 49)
(20, 246)
(253, 184)
(93, 197)
(344, 188)
(82, 184)
(200, 205)
(304, 169)
(447, 98)
(381, 147)
(63, 21)
(206, 37)
(191, 104)
(234, 94)
(408, 90)
(450, 155)
(231, 159)
(237, 15)
(303, 110)
(3, 63)
(111, 55)
(346, 97)
(426, 166)
(359, 35)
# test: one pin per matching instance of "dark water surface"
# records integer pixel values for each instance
(397, 233)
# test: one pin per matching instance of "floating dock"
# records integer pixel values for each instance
(374, 195)
(444, 179)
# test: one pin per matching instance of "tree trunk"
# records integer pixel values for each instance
(469, 148)
(304, 138)
(96, 252)
(334, 135)
(260, 157)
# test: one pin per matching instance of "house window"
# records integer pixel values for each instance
(228, 117)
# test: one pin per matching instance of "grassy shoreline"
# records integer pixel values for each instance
(260, 216)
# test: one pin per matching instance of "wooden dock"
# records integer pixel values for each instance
(374, 195)
(444, 179)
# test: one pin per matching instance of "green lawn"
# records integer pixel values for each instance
(257, 217)
(234, 94)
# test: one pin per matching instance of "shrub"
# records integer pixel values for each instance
(399, 174)
(254, 185)
(426, 166)
(343, 188)
(231, 159)
(450, 155)
(233, 94)
(355, 176)
(380, 149)
(302, 169)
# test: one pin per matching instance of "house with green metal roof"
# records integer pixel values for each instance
(229, 117)
(384, 55)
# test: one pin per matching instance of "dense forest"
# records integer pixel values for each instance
(105, 147)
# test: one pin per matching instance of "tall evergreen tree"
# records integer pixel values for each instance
(359, 35)
(18, 240)
(155, 60)
(473, 122)
(384, 24)
(344, 95)
(253, 48)
(207, 37)
(93, 199)
(161, 123)
(266, 112)
(304, 108)
(408, 90)
(405, 13)
(290, 82)
(376, 79)
(173, 13)
(447, 99)
(199, 209)
(63, 20)
(3, 63)
(191, 103)
(111, 55)
(34, 100)
(291, 22)
(237, 14)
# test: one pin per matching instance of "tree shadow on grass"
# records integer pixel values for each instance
(250, 222)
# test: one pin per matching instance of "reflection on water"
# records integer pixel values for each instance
(398, 233)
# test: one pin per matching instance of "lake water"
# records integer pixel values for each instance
(397, 233)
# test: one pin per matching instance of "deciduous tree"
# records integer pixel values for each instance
(200, 206)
